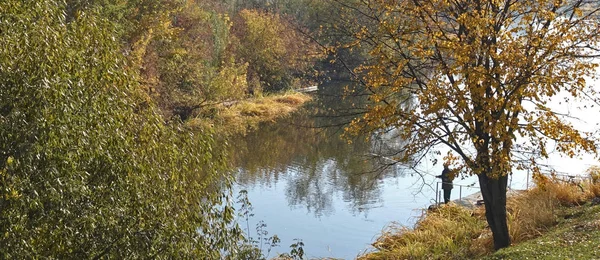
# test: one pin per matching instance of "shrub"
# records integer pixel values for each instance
(276, 52)
(87, 169)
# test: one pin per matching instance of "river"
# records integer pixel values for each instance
(305, 182)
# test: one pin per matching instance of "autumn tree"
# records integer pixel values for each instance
(276, 52)
(194, 66)
(477, 77)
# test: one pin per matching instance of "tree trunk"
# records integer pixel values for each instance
(494, 197)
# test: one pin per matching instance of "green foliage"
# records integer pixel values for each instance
(187, 56)
(89, 170)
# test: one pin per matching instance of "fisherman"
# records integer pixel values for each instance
(447, 178)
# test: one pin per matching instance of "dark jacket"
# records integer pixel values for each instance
(446, 179)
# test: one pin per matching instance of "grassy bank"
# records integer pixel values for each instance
(239, 117)
(554, 220)
(576, 236)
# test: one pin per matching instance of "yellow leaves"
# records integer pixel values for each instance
(9, 161)
(476, 67)
(451, 159)
(9, 191)
(12, 194)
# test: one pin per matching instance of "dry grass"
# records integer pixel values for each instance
(594, 184)
(565, 192)
(595, 189)
(530, 214)
(293, 99)
(445, 232)
(451, 232)
(246, 115)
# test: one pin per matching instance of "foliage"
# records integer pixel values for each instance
(89, 170)
(275, 51)
(462, 83)
(193, 68)
(186, 54)
(296, 252)
(474, 76)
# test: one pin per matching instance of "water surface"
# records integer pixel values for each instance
(306, 182)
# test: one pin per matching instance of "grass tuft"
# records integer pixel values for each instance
(445, 232)
(530, 214)
(241, 117)
(452, 232)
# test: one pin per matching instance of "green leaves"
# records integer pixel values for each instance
(85, 170)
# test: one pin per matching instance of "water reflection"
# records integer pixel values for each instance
(314, 162)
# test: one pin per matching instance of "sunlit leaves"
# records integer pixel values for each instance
(274, 49)
(479, 74)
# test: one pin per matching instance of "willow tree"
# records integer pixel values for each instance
(87, 169)
(477, 77)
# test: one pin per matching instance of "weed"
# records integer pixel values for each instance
(252, 248)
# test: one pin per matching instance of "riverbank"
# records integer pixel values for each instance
(576, 236)
(239, 117)
(554, 219)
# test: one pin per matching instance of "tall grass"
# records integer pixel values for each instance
(445, 232)
(568, 192)
(530, 214)
(452, 232)
(594, 173)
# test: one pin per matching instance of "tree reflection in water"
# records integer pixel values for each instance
(315, 164)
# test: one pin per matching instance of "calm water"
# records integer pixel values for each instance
(308, 183)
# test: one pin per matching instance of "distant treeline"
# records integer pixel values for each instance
(191, 54)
